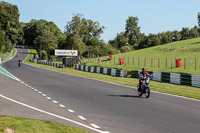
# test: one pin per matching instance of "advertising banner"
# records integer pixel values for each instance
(59, 52)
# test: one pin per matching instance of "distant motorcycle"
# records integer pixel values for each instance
(145, 87)
(20, 63)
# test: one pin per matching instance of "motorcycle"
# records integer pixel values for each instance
(19, 63)
(145, 87)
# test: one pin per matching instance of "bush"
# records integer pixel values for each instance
(128, 48)
(43, 55)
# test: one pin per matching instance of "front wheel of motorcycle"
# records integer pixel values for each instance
(140, 93)
(147, 92)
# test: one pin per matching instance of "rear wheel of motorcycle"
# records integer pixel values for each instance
(147, 92)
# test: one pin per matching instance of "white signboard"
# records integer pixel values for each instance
(60, 52)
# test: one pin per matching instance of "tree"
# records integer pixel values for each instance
(9, 23)
(120, 41)
(72, 42)
(36, 27)
(2, 36)
(198, 17)
(164, 37)
(132, 30)
(43, 55)
(83, 28)
(126, 48)
(154, 40)
(145, 42)
(177, 35)
(82, 34)
(46, 41)
(20, 38)
(193, 33)
(185, 33)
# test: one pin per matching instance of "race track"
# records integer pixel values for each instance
(113, 108)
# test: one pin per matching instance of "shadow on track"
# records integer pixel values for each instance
(131, 96)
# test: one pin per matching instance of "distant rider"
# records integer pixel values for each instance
(20, 62)
(143, 74)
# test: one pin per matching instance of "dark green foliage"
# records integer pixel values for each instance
(42, 35)
(132, 31)
(36, 28)
(84, 35)
(43, 55)
(120, 41)
(9, 24)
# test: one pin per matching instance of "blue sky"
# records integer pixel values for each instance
(154, 15)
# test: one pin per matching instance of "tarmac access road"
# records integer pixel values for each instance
(103, 106)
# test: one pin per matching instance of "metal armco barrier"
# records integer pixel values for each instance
(174, 78)
(106, 71)
(49, 63)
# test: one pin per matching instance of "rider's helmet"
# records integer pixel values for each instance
(143, 69)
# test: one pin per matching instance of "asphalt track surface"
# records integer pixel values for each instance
(113, 108)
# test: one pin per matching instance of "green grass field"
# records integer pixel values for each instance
(186, 50)
(20, 125)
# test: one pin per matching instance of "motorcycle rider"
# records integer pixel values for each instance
(20, 62)
(142, 74)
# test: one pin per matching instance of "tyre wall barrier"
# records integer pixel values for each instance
(174, 78)
(106, 71)
(45, 62)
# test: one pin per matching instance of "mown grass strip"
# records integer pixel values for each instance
(21, 125)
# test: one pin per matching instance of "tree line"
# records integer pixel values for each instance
(80, 33)
(133, 39)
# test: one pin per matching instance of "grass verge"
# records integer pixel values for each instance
(20, 125)
(8, 53)
(187, 91)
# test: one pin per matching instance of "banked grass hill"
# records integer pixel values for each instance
(158, 58)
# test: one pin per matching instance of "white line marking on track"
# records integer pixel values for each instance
(44, 95)
(26, 84)
(48, 97)
(22, 82)
(55, 101)
(82, 118)
(51, 114)
(61, 105)
(39, 92)
(35, 90)
(29, 86)
(72, 111)
(94, 125)
(32, 88)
